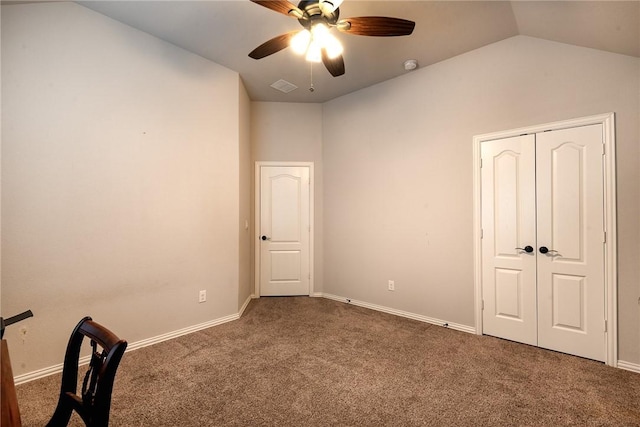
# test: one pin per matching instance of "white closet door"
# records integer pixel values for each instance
(570, 206)
(509, 223)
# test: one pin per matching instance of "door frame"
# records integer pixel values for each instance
(256, 228)
(607, 121)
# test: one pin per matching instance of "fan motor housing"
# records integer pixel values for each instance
(313, 14)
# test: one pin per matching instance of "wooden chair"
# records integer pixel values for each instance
(94, 403)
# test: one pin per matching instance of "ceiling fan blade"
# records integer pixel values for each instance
(272, 46)
(378, 26)
(281, 6)
(335, 65)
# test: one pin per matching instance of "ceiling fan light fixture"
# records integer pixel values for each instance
(333, 47)
(300, 42)
(329, 6)
(311, 43)
(320, 33)
(326, 40)
(314, 52)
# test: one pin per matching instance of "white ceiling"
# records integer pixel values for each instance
(225, 31)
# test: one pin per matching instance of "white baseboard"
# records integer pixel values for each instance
(180, 332)
(45, 372)
(244, 306)
(41, 373)
(418, 317)
(628, 366)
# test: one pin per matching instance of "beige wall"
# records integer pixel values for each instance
(120, 180)
(398, 171)
(245, 289)
(291, 132)
(127, 163)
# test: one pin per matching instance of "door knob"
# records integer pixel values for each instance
(544, 250)
(528, 249)
(265, 238)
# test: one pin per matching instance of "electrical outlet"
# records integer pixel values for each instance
(392, 285)
(203, 296)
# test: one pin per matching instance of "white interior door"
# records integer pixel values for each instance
(571, 291)
(544, 193)
(509, 238)
(284, 231)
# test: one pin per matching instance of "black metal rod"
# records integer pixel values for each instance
(13, 319)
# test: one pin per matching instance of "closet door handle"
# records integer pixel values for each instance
(544, 250)
(265, 238)
(528, 249)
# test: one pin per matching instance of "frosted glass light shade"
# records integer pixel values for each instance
(312, 42)
(325, 39)
(333, 47)
(314, 52)
(300, 42)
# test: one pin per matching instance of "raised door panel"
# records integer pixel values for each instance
(284, 208)
(508, 294)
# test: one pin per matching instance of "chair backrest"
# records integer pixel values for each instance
(94, 403)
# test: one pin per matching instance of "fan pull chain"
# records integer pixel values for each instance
(311, 88)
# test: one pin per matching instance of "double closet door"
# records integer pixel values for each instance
(543, 240)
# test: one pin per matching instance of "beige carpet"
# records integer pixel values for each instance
(317, 362)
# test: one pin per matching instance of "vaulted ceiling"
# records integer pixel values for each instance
(225, 31)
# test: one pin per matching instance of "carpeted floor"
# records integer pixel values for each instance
(316, 362)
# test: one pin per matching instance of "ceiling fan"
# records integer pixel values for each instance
(317, 18)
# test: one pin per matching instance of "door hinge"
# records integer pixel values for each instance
(482, 304)
(605, 326)
(482, 233)
(480, 163)
(604, 237)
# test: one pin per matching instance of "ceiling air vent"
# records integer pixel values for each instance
(284, 86)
